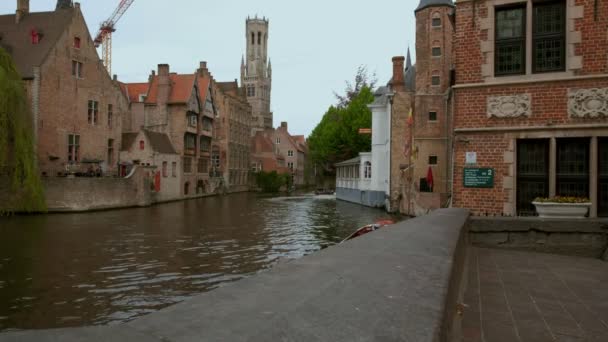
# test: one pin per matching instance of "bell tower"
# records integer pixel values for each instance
(256, 73)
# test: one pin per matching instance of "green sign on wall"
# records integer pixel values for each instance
(478, 178)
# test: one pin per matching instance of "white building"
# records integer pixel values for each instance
(365, 179)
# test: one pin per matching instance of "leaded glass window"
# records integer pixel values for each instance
(549, 52)
(510, 54)
(532, 173)
(573, 167)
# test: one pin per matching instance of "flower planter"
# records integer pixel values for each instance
(562, 210)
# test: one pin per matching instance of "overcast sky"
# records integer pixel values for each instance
(315, 45)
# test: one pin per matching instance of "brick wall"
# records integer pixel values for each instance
(63, 103)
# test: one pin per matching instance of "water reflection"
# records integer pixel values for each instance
(109, 267)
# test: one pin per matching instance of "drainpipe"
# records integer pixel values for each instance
(390, 150)
(449, 142)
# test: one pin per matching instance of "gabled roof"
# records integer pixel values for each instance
(133, 90)
(159, 142)
(181, 88)
(17, 38)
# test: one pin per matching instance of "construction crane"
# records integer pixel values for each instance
(104, 36)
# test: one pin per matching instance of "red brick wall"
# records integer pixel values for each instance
(63, 103)
(549, 104)
(490, 150)
(467, 51)
(594, 45)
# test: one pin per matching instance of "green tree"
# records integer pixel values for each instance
(271, 182)
(17, 156)
(336, 138)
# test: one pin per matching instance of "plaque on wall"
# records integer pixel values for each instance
(478, 178)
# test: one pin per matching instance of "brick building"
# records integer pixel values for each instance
(264, 153)
(531, 104)
(233, 134)
(293, 151)
(78, 110)
(182, 106)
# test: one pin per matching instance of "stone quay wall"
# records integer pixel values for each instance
(86, 194)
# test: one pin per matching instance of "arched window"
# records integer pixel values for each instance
(252, 38)
(259, 38)
(142, 145)
(77, 42)
(368, 170)
(165, 173)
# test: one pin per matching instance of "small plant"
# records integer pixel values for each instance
(562, 199)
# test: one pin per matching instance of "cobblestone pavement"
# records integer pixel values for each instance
(518, 296)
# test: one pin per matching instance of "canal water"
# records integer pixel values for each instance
(110, 267)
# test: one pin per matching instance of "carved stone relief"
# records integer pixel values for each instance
(509, 106)
(588, 103)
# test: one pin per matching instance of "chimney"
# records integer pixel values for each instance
(202, 70)
(164, 84)
(23, 8)
(284, 125)
(115, 78)
(398, 82)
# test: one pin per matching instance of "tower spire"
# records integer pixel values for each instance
(408, 62)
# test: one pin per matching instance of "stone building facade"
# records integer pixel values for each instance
(233, 134)
(531, 104)
(78, 109)
(256, 73)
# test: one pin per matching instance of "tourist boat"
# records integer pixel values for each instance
(324, 192)
(369, 228)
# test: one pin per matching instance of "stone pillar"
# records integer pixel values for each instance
(553, 167)
(593, 163)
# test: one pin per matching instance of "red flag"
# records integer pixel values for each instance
(429, 178)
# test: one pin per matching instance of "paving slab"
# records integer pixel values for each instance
(522, 296)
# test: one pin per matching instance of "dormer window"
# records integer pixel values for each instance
(77, 42)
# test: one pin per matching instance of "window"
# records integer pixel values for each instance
(187, 165)
(432, 160)
(215, 158)
(110, 151)
(290, 153)
(252, 38)
(203, 165)
(436, 21)
(205, 144)
(435, 81)
(165, 170)
(572, 168)
(278, 140)
(174, 169)
(436, 52)
(432, 116)
(142, 145)
(548, 37)
(207, 124)
(77, 42)
(259, 38)
(192, 120)
(93, 112)
(186, 188)
(532, 174)
(510, 51)
(190, 143)
(290, 165)
(76, 69)
(250, 90)
(602, 182)
(367, 170)
(73, 148)
(110, 115)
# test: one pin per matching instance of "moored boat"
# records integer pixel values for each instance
(369, 228)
